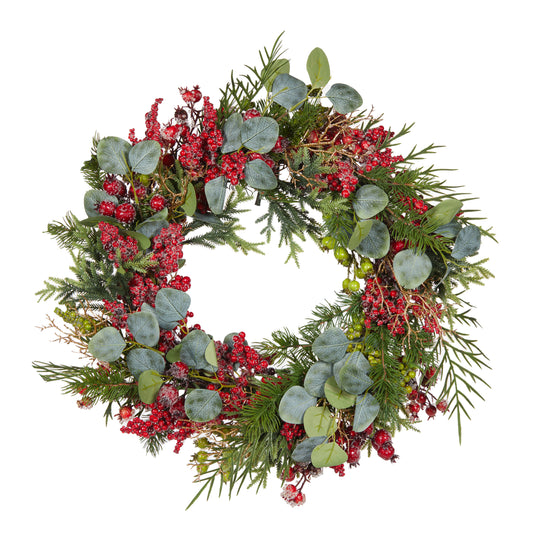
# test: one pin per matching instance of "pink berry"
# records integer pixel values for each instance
(125, 213)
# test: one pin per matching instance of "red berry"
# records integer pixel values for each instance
(106, 208)
(354, 454)
(114, 187)
(125, 412)
(430, 372)
(251, 113)
(312, 137)
(157, 202)
(386, 451)
(139, 191)
(368, 430)
(380, 438)
(414, 408)
(168, 160)
(422, 398)
(431, 411)
(125, 213)
(442, 406)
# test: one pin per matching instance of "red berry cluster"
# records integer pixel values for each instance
(414, 204)
(232, 167)
(153, 128)
(168, 250)
(419, 400)
(292, 495)
(382, 443)
(120, 249)
(344, 180)
(116, 313)
(292, 432)
(384, 305)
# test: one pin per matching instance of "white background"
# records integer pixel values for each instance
(459, 70)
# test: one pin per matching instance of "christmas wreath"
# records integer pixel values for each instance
(364, 367)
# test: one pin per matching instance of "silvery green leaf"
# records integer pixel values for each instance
(112, 154)
(144, 156)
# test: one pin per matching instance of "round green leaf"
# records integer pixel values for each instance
(211, 354)
(149, 384)
(144, 157)
(112, 154)
(376, 244)
(350, 373)
(411, 269)
(189, 207)
(215, 193)
(467, 243)
(316, 377)
(319, 422)
(294, 404)
(277, 67)
(173, 355)
(369, 201)
(193, 348)
(336, 396)
(171, 305)
(443, 212)
(141, 359)
(259, 175)
(289, 92)
(328, 454)
(366, 410)
(92, 200)
(202, 405)
(260, 134)
(345, 99)
(107, 344)
(449, 230)
(232, 133)
(162, 323)
(144, 327)
(303, 450)
(318, 68)
(154, 224)
(331, 345)
(361, 230)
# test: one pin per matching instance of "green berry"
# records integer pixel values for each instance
(367, 266)
(354, 285)
(346, 284)
(201, 457)
(202, 469)
(360, 273)
(202, 442)
(341, 254)
(329, 243)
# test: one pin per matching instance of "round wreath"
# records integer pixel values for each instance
(362, 369)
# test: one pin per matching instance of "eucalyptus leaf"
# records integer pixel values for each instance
(467, 243)
(163, 324)
(144, 327)
(107, 344)
(260, 134)
(449, 230)
(171, 305)
(377, 242)
(144, 156)
(277, 67)
(316, 377)
(173, 355)
(345, 99)
(351, 373)
(319, 422)
(328, 454)
(318, 68)
(112, 154)
(142, 240)
(289, 92)
(189, 206)
(148, 385)
(443, 212)
(92, 200)
(336, 396)
(366, 410)
(215, 192)
(294, 404)
(331, 345)
(193, 349)
(259, 175)
(361, 230)
(211, 354)
(232, 133)
(369, 201)
(154, 224)
(141, 359)
(303, 450)
(411, 269)
(202, 405)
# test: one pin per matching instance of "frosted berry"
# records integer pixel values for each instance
(442, 406)
(251, 113)
(354, 454)
(380, 438)
(106, 208)
(114, 187)
(386, 451)
(125, 213)
(157, 202)
(125, 412)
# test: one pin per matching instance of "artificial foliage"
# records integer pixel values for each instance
(391, 347)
